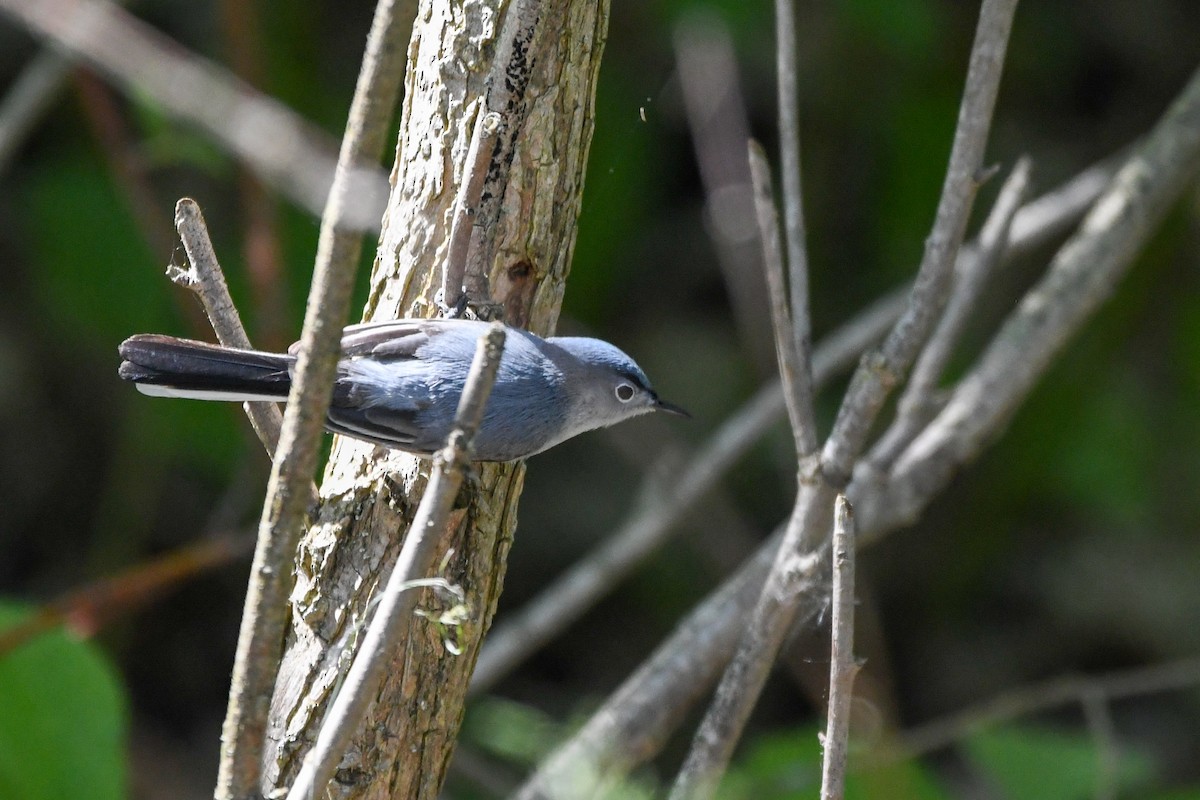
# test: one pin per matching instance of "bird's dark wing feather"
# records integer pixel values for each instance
(393, 339)
(386, 340)
(379, 425)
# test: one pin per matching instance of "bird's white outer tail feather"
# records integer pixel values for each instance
(165, 366)
(154, 390)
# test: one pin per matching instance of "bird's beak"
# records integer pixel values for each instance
(670, 408)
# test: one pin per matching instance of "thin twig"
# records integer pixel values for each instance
(843, 667)
(262, 240)
(808, 527)
(389, 627)
(31, 96)
(516, 638)
(637, 719)
(289, 152)
(86, 609)
(265, 616)
(1024, 701)
(881, 371)
(1053, 214)
(1100, 724)
(129, 167)
(1081, 276)
(794, 373)
(506, 96)
(919, 402)
(466, 206)
(719, 128)
(204, 276)
(726, 718)
(788, 99)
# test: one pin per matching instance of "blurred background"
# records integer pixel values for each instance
(1070, 547)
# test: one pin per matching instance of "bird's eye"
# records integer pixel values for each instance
(624, 392)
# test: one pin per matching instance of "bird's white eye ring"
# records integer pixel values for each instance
(625, 392)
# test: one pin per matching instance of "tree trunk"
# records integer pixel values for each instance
(369, 493)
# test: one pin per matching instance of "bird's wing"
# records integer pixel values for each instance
(396, 423)
(393, 339)
(390, 429)
(385, 341)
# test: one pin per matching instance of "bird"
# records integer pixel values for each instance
(398, 383)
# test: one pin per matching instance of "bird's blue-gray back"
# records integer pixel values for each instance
(409, 388)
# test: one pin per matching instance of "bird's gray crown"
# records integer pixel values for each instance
(602, 354)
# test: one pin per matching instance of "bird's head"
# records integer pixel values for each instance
(610, 384)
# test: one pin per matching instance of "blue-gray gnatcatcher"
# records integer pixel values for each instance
(398, 383)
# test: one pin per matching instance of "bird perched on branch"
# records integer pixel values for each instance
(398, 383)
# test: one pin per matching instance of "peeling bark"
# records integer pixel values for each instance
(368, 493)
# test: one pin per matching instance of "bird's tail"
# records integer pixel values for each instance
(164, 366)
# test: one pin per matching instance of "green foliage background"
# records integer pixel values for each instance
(1071, 546)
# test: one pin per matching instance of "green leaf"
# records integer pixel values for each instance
(62, 719)
(510, 729)
(788, 764)
(1186, 793)
(902, 780)
(1029, 763)
(96, 278)
(905, 29)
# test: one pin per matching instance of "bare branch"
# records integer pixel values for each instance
(776, 609)
(1082, 275)
(31, 95)
(793, 221)
(466, 206)
(919, 402)
(564, 601)
(506, 97)
(842, 665)
(205, 277)
(881, 371)
(265, 615)
(287, 151)
(1023, 701)
(425, 694)
(716, 115)
(635, 722)
(1104, 738)
(794, 372)
(388, 629)
(1053, 214)
(86, 609)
